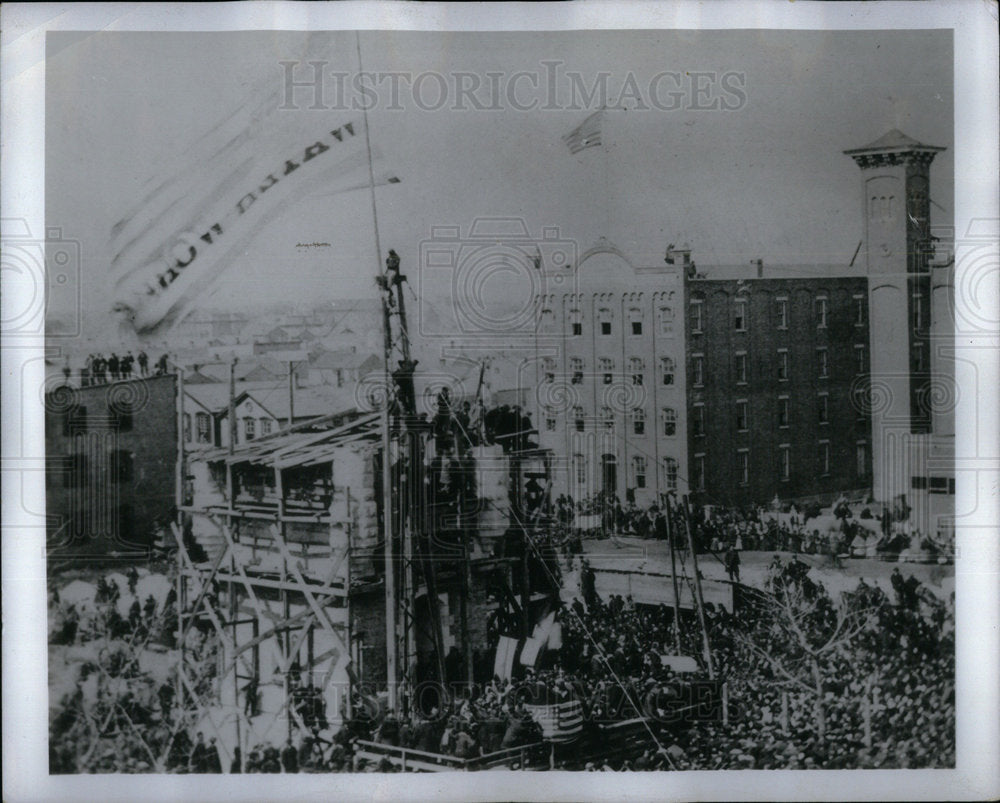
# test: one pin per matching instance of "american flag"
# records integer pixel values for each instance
(585, 135)
(560, 722)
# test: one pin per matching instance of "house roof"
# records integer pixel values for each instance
(196, 377)
(214, 397)
(286, 448)
(343, 358)
(309, 402)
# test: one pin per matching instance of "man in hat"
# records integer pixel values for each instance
(198, 757)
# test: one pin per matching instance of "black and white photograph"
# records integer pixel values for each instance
(425, 400)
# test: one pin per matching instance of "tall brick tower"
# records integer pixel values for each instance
(895, 183)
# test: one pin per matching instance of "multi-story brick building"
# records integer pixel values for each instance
(610, 400)
(112, 470)
(816, 380)
(774, 369)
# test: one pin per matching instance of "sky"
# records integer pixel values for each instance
(765, 179)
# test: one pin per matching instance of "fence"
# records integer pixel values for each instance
(411, 760)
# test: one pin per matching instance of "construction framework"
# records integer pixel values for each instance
(264, 564)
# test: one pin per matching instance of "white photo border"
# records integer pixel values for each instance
(25, 688)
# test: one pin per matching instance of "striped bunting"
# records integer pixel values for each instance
(560, 722)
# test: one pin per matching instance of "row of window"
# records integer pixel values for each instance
(606, 370)
(250, 427)
(742, 409)
(637, 419)
(203, 424)
(741, 365)
(668, 417)
(741, 317)
(605, 319)
(639, 471)
(784, 466)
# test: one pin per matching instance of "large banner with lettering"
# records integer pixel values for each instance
(197, 217)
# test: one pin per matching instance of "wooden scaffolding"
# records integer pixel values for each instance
(266, 570)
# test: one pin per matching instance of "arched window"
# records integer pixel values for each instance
(580, 467)
(636, 368)
(604, 315)
(639, 471)
(607, 366)
(635, 321)
(548, 369)
(667, 370)
(550, 419)
(670, 473)
(666, 321)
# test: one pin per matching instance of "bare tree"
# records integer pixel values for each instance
(804, 637)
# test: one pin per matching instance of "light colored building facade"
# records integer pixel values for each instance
(911, 299)
(609, 378)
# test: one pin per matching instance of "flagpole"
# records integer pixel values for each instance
(607, 186)
(371, 171)
(392, 657)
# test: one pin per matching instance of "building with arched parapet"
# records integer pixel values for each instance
(610, 400)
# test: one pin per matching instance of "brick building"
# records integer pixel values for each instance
(774, 368)
(610, 381)
(820, 379)
(111, 453)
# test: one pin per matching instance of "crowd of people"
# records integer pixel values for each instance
(735, 529)
(99, 369)
(885, 698)
(886, 704)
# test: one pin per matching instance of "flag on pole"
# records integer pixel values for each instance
(529, 653)
(504, 664)
(540, 639)
(587, 134)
